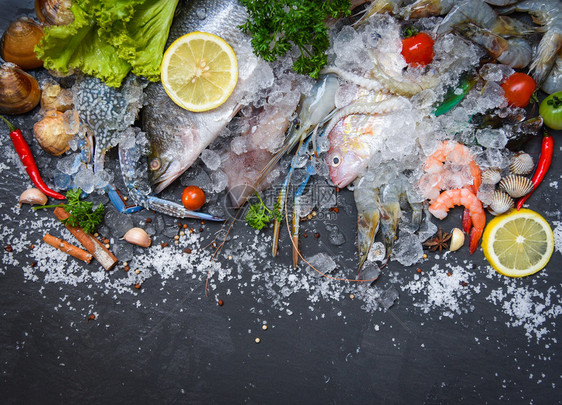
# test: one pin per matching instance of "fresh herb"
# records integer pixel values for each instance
(81, 213)
(278, 25)
(258, 215)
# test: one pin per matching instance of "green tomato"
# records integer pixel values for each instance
(551, 110)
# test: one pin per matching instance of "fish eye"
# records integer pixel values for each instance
(336, 161)
(155, 164)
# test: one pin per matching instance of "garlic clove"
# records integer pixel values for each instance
(457, 239)
(33, 196)
(137, 236)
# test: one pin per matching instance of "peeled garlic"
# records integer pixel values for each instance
(33, 196)
(137, 236)
(457, 239)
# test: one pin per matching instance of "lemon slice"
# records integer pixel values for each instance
(519, 243)
(199, 71)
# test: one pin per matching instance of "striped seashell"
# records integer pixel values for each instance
(492, 175)
(501, 203)
(516, 186)
(521, 163)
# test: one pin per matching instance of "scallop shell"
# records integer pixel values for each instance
(492, 175)
(501, 202)
(521, 163)
(516, 186)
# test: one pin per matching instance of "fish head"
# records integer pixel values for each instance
(174, 147)
(347, 157)
(162, 172)
(344, 165)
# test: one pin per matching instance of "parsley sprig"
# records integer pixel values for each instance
(81, 213)
(258, 215)
(278, 25)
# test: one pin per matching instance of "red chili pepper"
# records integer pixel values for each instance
(545, 159)
(24, 152)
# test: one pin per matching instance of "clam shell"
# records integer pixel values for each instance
(516, 185)
(19, 91)
(492, 175)
(52, 134)
(18, 43)
(54, 12)
(501, 202)
(521, 163)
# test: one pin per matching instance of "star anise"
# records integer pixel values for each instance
(438, 242)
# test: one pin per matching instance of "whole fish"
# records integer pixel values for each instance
(177, 137)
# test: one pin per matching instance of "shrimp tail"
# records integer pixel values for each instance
(475, 235)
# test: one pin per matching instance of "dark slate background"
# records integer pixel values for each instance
(205, 354)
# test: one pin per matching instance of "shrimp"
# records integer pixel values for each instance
(368, 217)
(547, 13)
(481, 14)
(553, 82)
(475, 11)
(427, 8)
(462, 196)
(446, 166)
(515, 52)
(379, 7)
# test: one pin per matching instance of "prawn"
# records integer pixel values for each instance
(515, 52)
(445, 167)
(462, 196)
(481, 14)
(553, 82)
(435, 166)
(548, 14)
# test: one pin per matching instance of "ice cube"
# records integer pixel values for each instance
(407, 250)
(62, 181)
(102, 178)
(211, 159)
(239, 145)
(491, 138)
(369, 271)
(219, 181)
(336, 236)
(84, 180)
(122, 250)
(69, 164)
(388, 297)
(322, 262)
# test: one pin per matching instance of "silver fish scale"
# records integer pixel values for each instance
(217, 17)
(107, 111)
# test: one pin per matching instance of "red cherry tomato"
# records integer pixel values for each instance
(418, 49)
(519, 88)
(193, 198)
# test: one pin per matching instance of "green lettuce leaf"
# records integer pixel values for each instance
(109, 38)
(138, 31)
(78, 46)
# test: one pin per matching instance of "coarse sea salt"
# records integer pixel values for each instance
(447, 290)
